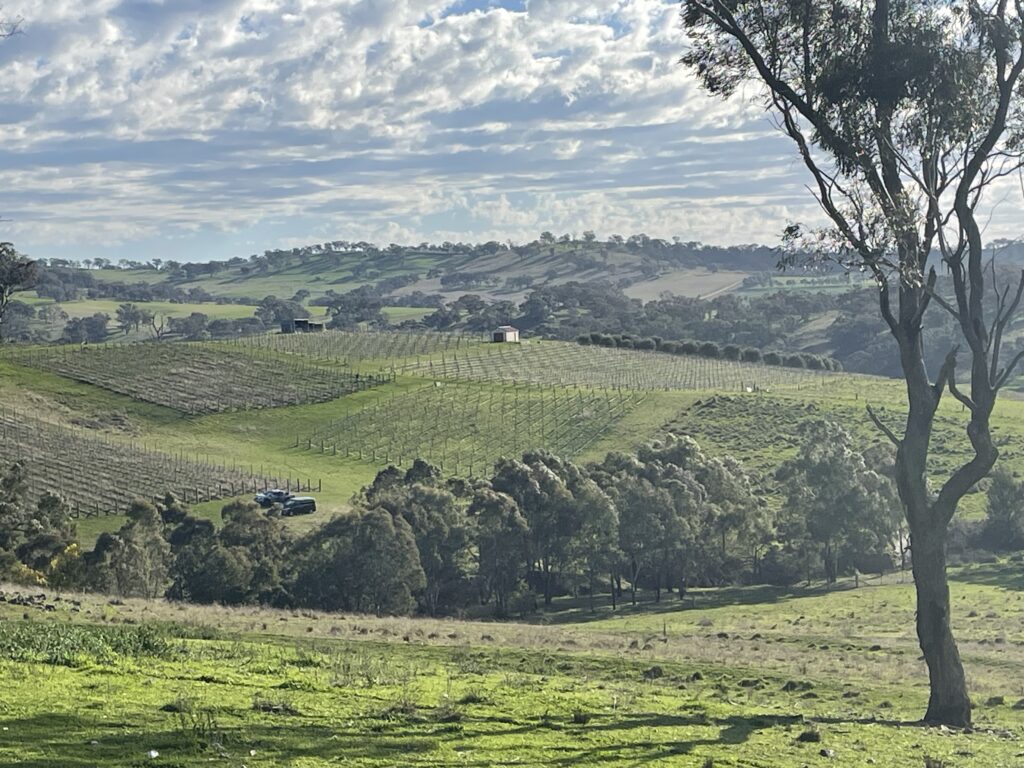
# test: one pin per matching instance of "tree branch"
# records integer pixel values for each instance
(882, 428)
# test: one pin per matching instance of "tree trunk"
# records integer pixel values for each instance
(547, 584)
(611, 585)
(949, 703)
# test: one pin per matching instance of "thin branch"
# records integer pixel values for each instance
(884, 429)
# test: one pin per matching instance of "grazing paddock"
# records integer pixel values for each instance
(463, 428)
(751, 678)
(199, 378)
(556, 363)
(97, 476)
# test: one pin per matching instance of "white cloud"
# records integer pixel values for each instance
(129, 121)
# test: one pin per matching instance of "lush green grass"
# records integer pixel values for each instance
(737, 680)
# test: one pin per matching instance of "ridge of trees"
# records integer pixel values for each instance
(658, 520)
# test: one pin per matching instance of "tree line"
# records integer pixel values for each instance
(634, 526)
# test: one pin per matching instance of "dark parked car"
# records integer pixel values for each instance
(272, 497)
(299, 505)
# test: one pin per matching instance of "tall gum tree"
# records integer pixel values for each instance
(905, 114)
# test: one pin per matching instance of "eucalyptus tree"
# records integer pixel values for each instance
(905, 114)
(16, 272)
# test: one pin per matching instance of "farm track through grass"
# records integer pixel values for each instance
(735, 680)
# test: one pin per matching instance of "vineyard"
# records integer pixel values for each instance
(199, 379)
(356, 346)
(97, 476)
(463, 428)
(565, 364)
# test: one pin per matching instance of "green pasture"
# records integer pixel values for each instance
(757, 678)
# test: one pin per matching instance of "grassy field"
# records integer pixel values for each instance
(742, 677)
(692, 282)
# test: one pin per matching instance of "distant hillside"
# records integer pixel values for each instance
(644, 267)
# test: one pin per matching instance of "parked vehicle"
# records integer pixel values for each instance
(299, 505)
(271, 497)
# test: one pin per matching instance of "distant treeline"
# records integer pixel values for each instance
(711, 350)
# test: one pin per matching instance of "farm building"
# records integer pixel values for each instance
(505, 334)
(301, 325)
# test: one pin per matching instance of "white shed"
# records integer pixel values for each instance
(505, 334)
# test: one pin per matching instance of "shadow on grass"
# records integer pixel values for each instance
(1005, 575)
(50, 740)
(578, 611)
(68, 740)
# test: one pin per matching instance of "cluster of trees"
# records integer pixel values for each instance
(658, 520)
(711, 350)
(37, 537)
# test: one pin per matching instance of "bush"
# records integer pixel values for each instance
(794, 361)
(709, 349)
(731, 352)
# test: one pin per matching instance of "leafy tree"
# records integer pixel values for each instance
(548, 506)
(501, 546)
(16, 271)
(364, 561)
(904, 113)
(134, 562)
(439, 526)
(264, 541)
(129, 317)
(1004, 522)
(86, 329)
(833, 499)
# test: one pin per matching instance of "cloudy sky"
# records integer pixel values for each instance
(197, 129)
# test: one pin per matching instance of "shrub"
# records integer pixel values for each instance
(794, 361)
(709, 349)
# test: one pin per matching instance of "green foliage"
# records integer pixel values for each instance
(835, 502)
(364, 561)
(1004, 523)
(71, 645)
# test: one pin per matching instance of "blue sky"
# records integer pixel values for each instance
(197, 129)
